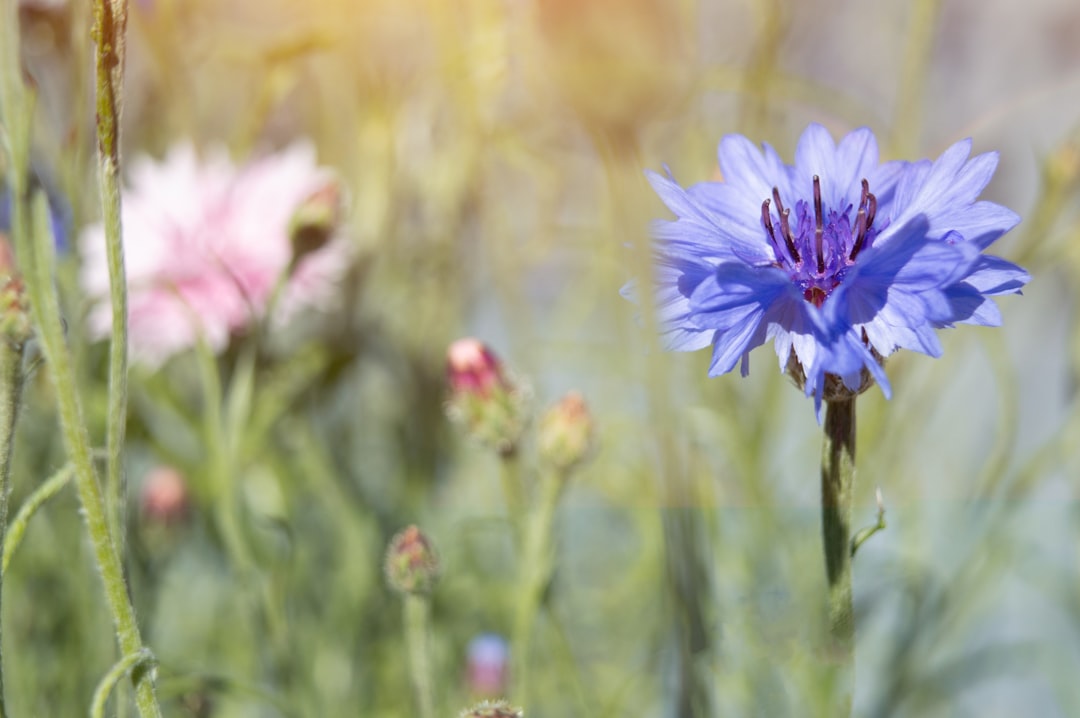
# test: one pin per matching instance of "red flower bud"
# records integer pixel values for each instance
(164, 497)
(411, 563)
(472, 368)
(492, 408)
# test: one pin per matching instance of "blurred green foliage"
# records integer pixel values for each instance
(492, 150)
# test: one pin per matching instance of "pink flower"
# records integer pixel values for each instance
(205, 244)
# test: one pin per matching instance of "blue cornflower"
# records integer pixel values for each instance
(839, 259)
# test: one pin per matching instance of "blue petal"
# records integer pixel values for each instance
(981, 223)
(676, 198)
(815, 154)
(675, 285)
(733, 284)
(911, 181)
(884, 180)
(735, 341)
(944, 193)
(732, 302)
(994, 275)
(967, 305)
(841, 168)
(710, 230)
(752, 173)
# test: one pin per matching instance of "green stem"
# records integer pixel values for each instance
(537, 564)
(221, 485)
(417, 637)
(837, 487)
(46, 310)
(16, 104)
(46, 491)
(143, 660)
(110, 20)
(224, 419)
(864, 534)
(514, 492)
(11, 379)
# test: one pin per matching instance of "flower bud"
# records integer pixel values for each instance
(565, 434)
(487, 665)
(492, 709)
(164, 498)
(14, 310)
(411, 564)
(835, 388)
(492, 408)
(315, 220)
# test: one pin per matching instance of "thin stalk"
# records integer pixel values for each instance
(221, 486)
(418, 639)
(11, 380)
(46, 311)
(537, 564)
(112, 679)
(224, 418)
(16, 104)
(110, 35)
(33, 240)
(110, 21)
(514, 493)
(837, 488)
(43, 493)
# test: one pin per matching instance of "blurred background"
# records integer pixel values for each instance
(492, 155)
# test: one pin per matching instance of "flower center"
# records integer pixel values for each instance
(818, 250)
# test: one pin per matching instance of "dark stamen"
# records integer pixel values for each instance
(785, 226)
(819, 228)
(766, 218)
(860, 232)
(776, 198)
(864, 219)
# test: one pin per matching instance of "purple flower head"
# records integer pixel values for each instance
(838, 259)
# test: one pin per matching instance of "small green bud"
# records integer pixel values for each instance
(412, 567)
(315, 221)
(492, 709)
(565, 435)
